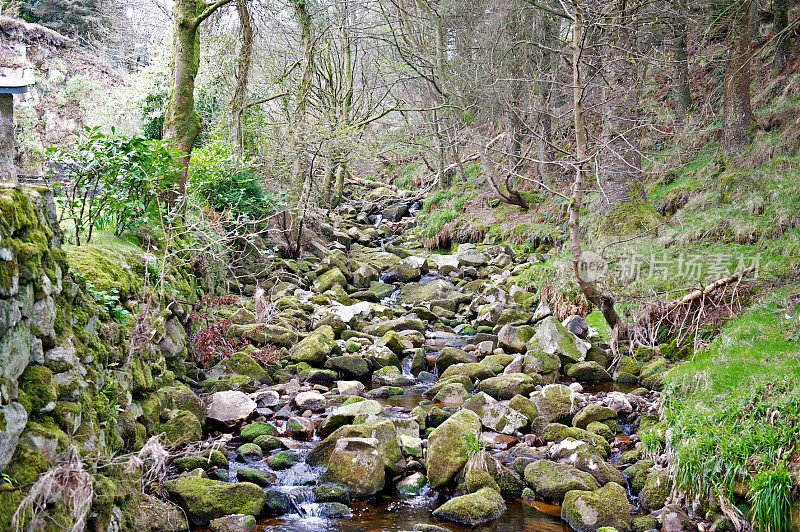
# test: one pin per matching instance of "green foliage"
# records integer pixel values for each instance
(77, 89)
(108, 180)
(228, 184)
(433, 223)
(110, 300)
(771, 496)
(153, 113)
(474, 444)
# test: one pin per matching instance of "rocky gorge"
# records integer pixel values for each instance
(378, 386)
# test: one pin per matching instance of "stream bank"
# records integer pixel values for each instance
(430, 391)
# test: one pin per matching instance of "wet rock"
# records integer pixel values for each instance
(277, 502)
(249, 452)
(331, 493)
(234, 523)
(587, 511)
(266, 398)
(495, 415)
(448, 446)
(365, 275)
(392, 340)
(602, 471)
(590, 372)
(552, 480)
(262, 478)
(494, 440)
(315, 348)
(300, 428)
(313, 401)
(507, 386)
(473, 509)
(411, 485)
(230, 407)
(333, 510)
(556, 432)
(356, 464)
(203, 499)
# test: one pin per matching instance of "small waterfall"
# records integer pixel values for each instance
(302, 501)
(391, 299)
(407, 367)
(375, 219)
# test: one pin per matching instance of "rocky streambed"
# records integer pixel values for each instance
(430, 391)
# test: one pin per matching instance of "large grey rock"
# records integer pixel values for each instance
(588, 511)
(13, 419)
(473, 509)
(230, 407)
(468, 255)
(554, 402)
(315, 347)
(312, 400)
(420, 293)
(576, 325)
(356, 464)
(495, 415)
(448, 446)
(346, 414)
(445, 264)
(552, 337)
(552, 480)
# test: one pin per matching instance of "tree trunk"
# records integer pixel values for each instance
(737, 114)
(620, 157)
(181, 121)
(683, 96)
(242, 75)
(781, 31)
(587, 286)
(299, 174)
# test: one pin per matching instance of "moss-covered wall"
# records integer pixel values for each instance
(70, 375)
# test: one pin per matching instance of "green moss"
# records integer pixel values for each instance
(244, 364)
(282, 460)
(107, 269)
(183, 427)
(258, 428)
(205, 499)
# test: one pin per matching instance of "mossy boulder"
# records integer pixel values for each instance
(588, 511)
(508, 385)
(554, 402)
(450, 356)
(474, 370)
(552, 480)
(234, 523)
(349, 365)
(593, 412)
(453, 393)
(258, 428)
(348, 414)
(386, 442)
(448, 446)
(39, 387)
(315, 348)
(282, 460)
(477, 479)
(473, 509)
(405, 323)
(524, 406)
(557, 433)
(392, 340)
(356, 464)
(656, 489)
(637, 473)
(245, 474)
(589, 372)
(327, 280)
(390, 376)
(208, 461)
(203, 499)
(243, 364)
(183, 427)
(463, 380)
(494, 415)
(552, 337)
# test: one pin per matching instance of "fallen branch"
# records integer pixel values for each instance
(371, 184)
(719, 283)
